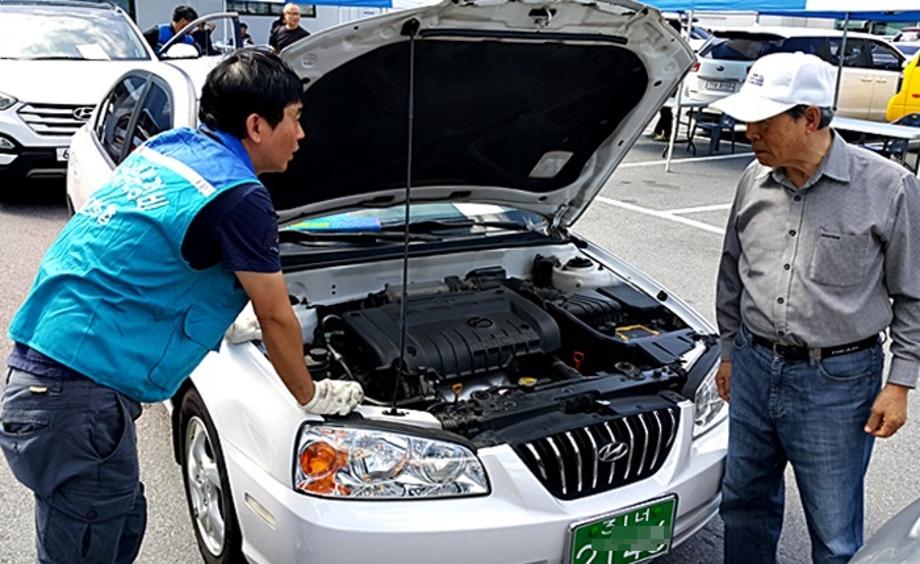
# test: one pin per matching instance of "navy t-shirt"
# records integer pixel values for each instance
(238, 230)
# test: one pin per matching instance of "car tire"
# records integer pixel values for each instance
(70, 209)
(207, 488)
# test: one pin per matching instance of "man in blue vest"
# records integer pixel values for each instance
(135, 291)
(159, 35)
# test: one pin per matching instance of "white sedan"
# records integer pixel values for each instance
(537, 399)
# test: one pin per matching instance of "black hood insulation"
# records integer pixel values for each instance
(486, 113)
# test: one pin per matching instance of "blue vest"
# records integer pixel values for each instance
(114, 299)
(166, 33)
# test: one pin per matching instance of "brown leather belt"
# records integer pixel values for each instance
(792, 352)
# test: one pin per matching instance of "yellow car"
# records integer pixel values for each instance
(907, 99)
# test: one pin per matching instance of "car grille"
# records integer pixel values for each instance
(590, 460)
(57, 120)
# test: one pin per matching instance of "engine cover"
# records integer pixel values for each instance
(458, 334)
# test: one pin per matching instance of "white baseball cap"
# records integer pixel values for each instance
(778, 82)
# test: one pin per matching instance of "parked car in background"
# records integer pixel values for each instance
(907, 47)
(698, 34)
(871, 66)
(896, 542)
(907, 99)
(908, 34)
(111, 134)
(553, 404)
(57, 58)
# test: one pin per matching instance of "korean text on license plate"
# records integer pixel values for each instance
(633, 535)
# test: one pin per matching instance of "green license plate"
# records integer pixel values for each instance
(634, 535)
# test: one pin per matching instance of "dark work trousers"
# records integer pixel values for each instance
(664, 123)
(73, 443)
(809, 413)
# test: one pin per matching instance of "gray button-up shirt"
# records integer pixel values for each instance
(830, 263)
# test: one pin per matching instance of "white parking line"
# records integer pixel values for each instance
(662, 215)
(687, 160)
(700, 209)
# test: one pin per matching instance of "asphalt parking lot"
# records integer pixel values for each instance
(669, 224)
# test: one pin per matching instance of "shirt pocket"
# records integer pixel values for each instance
(197, 332)
(839, 259)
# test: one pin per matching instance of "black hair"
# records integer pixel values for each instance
(798, 112)
(244, 24)
(248, 81)
(184, 12)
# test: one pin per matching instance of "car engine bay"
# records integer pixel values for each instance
(487, 352)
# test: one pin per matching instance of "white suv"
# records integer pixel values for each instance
(871, 66)
(56, 61)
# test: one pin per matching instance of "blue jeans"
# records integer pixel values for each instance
(809, 413)
(73, 443)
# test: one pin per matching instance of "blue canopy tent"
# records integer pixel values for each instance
(879, 10)
(726, 5)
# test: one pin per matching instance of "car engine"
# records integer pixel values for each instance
(481, 348)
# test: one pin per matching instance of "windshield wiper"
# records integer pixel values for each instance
(429, 225)
(355, 237)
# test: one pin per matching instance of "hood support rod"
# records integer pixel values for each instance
(411, 29)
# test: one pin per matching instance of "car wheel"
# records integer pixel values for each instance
(207, 488)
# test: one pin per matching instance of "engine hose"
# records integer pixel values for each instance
(322, 322)
(336, 356)
(565, 371)
(373, 401)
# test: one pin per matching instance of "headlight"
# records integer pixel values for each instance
(355, 463)
(709, 408)
(6, 101)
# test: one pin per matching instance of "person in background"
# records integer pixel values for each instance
(820, 256)
(291, 31)
(662, 130)
(202, 38)
(245, 36)
(279, 21)
(159, 35)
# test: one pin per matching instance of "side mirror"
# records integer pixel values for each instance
(181, 51)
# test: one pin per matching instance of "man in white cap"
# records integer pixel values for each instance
(820, 256)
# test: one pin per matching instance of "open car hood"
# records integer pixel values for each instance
(527, 104)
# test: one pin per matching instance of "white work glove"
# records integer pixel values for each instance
(245, 328)
(334, 396)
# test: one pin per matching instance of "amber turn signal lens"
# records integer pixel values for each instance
(321, 459)
(326, 486)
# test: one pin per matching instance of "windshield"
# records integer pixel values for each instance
(742, 47)
(42, 34)
(379, 219)
(699, 33)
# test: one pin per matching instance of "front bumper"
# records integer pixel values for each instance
(519, 522)
(32, 163)
(34, 156)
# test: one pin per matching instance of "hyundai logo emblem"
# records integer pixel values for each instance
(720, 68)
(611, 452)
(82, 113)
